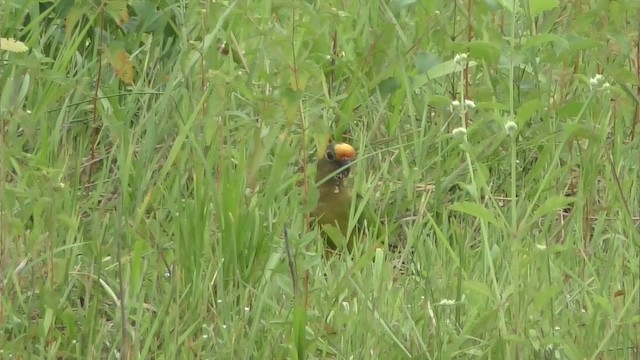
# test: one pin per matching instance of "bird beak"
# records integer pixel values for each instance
(345, 165)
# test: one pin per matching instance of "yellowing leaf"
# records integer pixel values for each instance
(12, 45)
(123, 66)
(117, 9)
(124, 16)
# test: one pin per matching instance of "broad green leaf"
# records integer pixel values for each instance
(443, 69)
(493, 5)
(545, 296)
(492, 105)
(439, 100)
(398, 5)
(475, 210)
(335, 235)
(539, 39)
(578, 132)
(487, 51)
(507, 4)
(425, 61)
(552, 205)
(388, 86)
(536, 7)
(570, 110)
(478, 288)
(117, 9)
(577, 43)
(526, 110)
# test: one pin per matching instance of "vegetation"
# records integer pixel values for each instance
(157, 162)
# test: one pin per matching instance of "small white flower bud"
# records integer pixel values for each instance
(469, 104)
(460, 59)
(459, 132)
(511, 127)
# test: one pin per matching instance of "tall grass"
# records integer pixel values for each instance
(154, 158)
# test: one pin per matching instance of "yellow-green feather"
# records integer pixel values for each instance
(334, 203)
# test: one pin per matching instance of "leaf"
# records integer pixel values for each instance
(489, 52)
(14, 91)
(475, 210)
(439, 100)
(335, 235)
(117, 9)
(537, 40)
(578, 132)
(388, 86)
(552, 204)
(570, 109)
(150, 19)
(123, 66)
(536, 7)
(299, 323)
(425, 61)
(545, 296)
(493, 5)
(446, 68)
(442, 69)
(576, 44)
(300, 81)
(290, 100)
(526, 110)
(12, 45)
(507, 4)
(72, 19)
(398, 5)
(478, 288)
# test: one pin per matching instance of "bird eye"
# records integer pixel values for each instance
(329, 155)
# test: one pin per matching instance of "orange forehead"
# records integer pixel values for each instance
(345, 151)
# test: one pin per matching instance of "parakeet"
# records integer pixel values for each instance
(335, 197)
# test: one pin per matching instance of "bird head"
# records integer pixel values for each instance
(337, 157)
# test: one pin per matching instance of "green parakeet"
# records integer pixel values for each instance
(332, 212)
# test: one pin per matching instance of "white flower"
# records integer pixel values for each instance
(447, 302)
(469, 104)
(597, 82)
(541, 246)
(460, 59)
(510, 127)
(455, 105)
(459, 132)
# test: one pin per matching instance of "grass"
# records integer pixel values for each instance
(157, 164)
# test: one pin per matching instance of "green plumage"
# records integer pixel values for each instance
(334, 202)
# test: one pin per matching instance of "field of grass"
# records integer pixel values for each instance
(157, 165)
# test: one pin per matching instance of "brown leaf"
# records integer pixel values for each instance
(123, 66)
